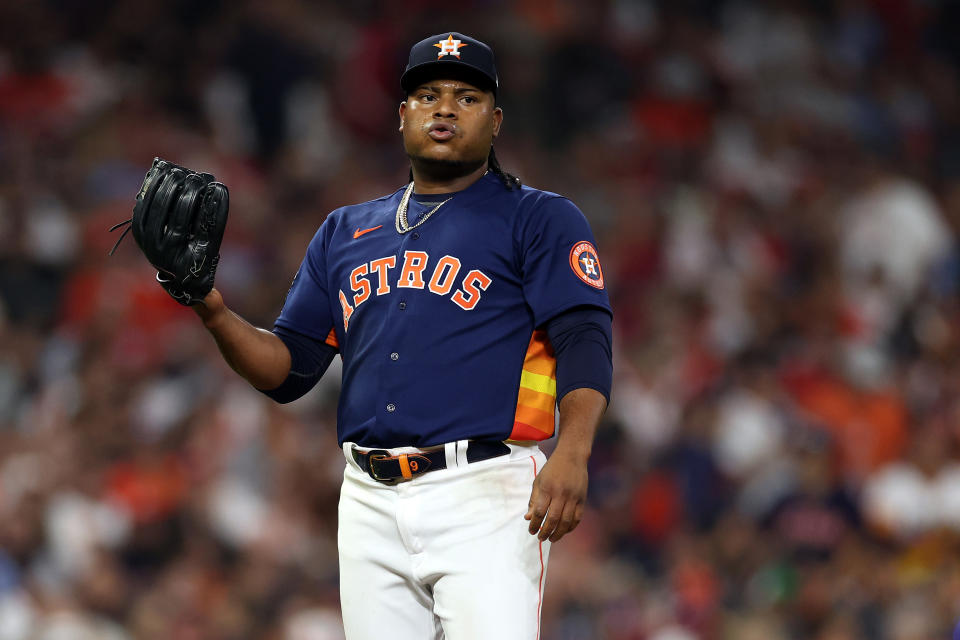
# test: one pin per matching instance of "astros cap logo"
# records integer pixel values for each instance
(586, 264)
(449, 47)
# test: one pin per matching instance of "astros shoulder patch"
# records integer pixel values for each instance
(586, 264)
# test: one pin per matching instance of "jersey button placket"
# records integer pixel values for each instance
(394, 376)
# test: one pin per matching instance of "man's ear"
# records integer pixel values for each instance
(403, 109)
(497, 121)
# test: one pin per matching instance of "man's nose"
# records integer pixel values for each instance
(446, 107)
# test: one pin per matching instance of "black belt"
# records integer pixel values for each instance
(388, 469)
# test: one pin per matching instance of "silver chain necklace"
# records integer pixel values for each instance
(402, 225)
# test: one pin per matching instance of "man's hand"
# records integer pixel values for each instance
(559, 493)
(560, 490)
(178, 222)
(210, 307)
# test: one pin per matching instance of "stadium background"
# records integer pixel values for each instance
(775, 190)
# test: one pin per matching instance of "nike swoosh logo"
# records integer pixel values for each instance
(358, 232)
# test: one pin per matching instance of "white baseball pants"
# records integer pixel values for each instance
(446, 555)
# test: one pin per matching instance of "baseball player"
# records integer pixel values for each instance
(466, 307)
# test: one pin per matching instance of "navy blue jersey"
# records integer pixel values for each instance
(438, 326)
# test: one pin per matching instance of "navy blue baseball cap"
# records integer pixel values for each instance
(453, 55)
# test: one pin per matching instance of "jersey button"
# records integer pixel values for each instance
(403, 305)
(416, 236)
(394, 356)
(391, 407)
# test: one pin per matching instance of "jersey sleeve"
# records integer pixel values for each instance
(309, 359)
(306, 309)
(560, 263)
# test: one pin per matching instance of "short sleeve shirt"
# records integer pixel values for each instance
(439, 327)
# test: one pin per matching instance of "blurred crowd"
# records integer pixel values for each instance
(775, 190)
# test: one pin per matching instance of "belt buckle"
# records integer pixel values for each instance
(378, 454)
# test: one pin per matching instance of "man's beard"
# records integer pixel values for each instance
(444, 170)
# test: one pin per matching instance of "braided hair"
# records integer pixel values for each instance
(509, 180)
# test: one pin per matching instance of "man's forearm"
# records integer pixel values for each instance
(582, 338)
(560, 490)
(256, 354)
(580, 413)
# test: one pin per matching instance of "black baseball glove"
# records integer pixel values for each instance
(178, 222)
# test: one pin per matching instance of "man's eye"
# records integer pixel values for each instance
(427, 98)
(469, 99)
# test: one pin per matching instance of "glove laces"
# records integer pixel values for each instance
(129, 223)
